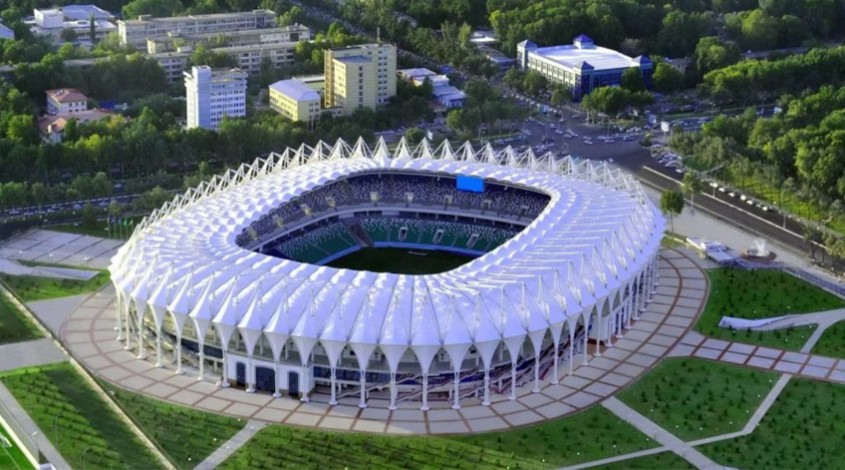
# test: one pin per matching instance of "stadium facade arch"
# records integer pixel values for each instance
(229, 279)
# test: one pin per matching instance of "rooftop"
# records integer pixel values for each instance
(212, 16)
(66, 95)
(84, 12)
(583, 53)
(415, 72)
(353, 59)
(295, 89)
(58, 123)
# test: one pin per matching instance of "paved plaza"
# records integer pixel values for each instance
(46, 246)
(89, 334)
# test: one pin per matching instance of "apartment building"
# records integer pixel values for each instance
(136, 32)
(213, 94)
(295, 100)
(249, 37)
(359, 76)
(65, 101)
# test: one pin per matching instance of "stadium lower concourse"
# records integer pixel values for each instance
(544, 259)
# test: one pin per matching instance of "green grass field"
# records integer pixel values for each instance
(593, 434)
(804, 429)
(695, 398)
(198, 434)
(663, 460)
(99, 230)
(14, 325)
(832, 342)
(11, 456)
(31, 288)
(78, 422)
(761, 293)
(400, 261)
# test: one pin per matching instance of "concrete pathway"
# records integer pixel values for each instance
(36, 352)
(46, 246)
(32, 431)
(89, 335)
(15, 268)
(664, 437)
(229, 447)
(54, 312)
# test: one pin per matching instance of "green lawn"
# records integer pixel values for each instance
(696, 398)
(198, 433)
(78, 423)
(832, 342)
(663, 460)
(400, 261)
(30, 288)
(590, 435)
(761, 293)
(804, 429)
(98, 230)
(11, 456)
(14, 325)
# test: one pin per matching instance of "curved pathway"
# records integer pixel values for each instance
(89, 335)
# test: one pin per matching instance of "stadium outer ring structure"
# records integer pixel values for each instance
(587, 263)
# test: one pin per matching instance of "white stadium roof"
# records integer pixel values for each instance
(596, 235)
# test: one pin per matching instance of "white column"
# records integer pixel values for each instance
(303, 384)
(119, 319)
(586, 338)
(201, 345)
(277, 375)
(333, 400)
(158, 348)
(141, 352)
(424, 406)
(250, 375)
(392, 391)
(225, 382)
(486, 401)
(536, 388)
(178, 353)
(556, 360)
(512, 394)
(600, 331)
(363, 380)
(456, 400)
(127, 323)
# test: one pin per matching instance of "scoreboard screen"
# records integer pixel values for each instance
(471, 184)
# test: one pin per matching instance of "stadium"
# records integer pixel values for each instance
(406, 274)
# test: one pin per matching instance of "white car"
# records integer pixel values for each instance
(722, 189)
(743, 197)
(732, 194)
(714, 184)
(558, 132)
(609, 141)
(588, 142)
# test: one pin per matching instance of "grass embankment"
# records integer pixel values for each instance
(76, 420)
(695, 398)
(761, 293)
(832, 342)
(11, 456)
(31, 288)
(590, 435)
(14, 325)
(804, 429)
(663, 460)
(188, 436)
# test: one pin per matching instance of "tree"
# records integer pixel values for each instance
(672, 204)
(814, 239)
(292, 16)
(92, 29)
(560, 94)
(692, 184)
(667, 79)
(632, 79)
(39, 194)
(214, 59)
(534, 83)
(712, 53)
(759, 31)
(89, 216)
(158, 8)
(115, 208)
(414, 135)
(68, 35)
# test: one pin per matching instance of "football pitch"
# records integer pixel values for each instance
(400, 261)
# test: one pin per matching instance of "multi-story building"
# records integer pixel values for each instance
(6, 32)
(136, 32)
(65, 101)
(213, 94)
(52, 22)
(295, 100)
(582, 66)
(249, 37)
(445, 94)
(359, 76)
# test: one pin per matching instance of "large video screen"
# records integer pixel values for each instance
(472, 184)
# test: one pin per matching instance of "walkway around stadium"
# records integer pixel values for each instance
(89, 334)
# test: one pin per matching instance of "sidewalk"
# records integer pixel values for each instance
(29, 426)
(29, 353)
(229, 447)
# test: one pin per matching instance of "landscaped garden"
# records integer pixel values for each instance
(590, 435)
(30, 288)
(805, 428)
(696, 398)
(186, 435)
(11, 456)
(832, 342)
(78, 422)
(761, 293)
(14, 325)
